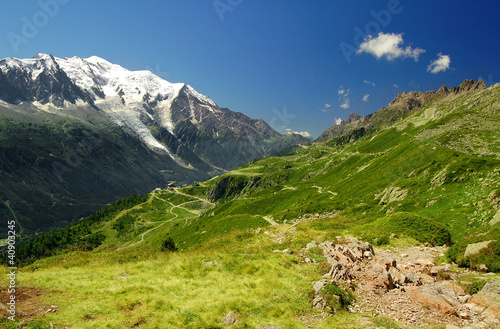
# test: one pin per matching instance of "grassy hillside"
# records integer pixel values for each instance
(432, 178)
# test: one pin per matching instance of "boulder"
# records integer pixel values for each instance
(474, 248)
(489, 298)
(424, 262)
(435, 298)
(392, 194)
(496, 218)
(318, 285)
(229, 319)
(311, 245)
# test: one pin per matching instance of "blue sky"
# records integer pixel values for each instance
(299, 65)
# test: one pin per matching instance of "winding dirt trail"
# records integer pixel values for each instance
(176, 216)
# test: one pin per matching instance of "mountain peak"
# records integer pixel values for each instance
(352, 117)
(43, 56)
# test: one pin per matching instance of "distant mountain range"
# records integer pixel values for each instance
(78, 133)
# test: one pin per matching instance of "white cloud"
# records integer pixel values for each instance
(302, 133)
(439, 65)
(369, 83)
(388, 45)
(326, 108)
(344, 97)
(365, 98)
(395, 86)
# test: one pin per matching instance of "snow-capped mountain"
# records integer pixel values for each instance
(86, 131)
(135, 101)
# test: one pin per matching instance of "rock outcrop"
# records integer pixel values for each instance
(407, 289)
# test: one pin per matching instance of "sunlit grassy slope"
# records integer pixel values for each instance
(432, 177)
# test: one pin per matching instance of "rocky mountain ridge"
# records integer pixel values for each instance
(402, 104)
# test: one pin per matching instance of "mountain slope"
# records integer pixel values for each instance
(432, 177)
(441, 162)
(79, 133)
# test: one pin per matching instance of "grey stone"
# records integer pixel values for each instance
(495, 219)
(474, 248)
(367, 254)
(318, 285)
(123, 276)
(229, 319)
(392, 194)
(317, 300)
(411, 277)
(269, 326)
(287, 251)
(311, 245)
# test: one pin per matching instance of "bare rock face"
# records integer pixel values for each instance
(489, 299)
(469, 85)
(434, 297)
(474, 248)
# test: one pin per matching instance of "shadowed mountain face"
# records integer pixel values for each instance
(76, 134)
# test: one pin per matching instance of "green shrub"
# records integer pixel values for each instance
(337, 297)
(316, 254)
(475, 287)
(489, 256)
(168, 244)
(381, 241)
(422, 229)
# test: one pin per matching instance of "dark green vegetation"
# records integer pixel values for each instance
(62, 170)
(489, 256)
(78, 236)
(420, 228)
(168, 244)
(57, 168)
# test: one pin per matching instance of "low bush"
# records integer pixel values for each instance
(420, 228)
(168, 244)
(337, 297)
(475, 287)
